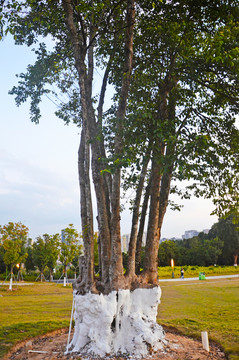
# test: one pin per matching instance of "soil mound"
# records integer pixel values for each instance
(52, 347)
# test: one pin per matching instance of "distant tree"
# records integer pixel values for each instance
(213, 250)
(167, 251)
(40, 255)
(228, 232)
(53, 251)
(70, 247)
(96, 253)
(29, 260)
(45, 252)
(198, 251)
(2, 264)
(13, 238)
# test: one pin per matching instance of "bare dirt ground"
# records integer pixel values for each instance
(52, 347)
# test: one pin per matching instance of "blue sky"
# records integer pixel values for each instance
(38, 165)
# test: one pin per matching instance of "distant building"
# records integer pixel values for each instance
(63, 239)
(190, 234)
(125, 239)
(125, 243)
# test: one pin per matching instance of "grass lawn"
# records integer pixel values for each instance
(208, 305)
(31, 310)
(165, 272)
(191, 307)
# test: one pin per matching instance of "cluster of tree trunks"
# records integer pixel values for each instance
(108, 185)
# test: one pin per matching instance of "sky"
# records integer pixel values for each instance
(38, 165)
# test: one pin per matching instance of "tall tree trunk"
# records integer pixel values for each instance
(104, 212)
(150, 273)
(169, 156)
(135, 219)
(141, 228)
(86, 210)
(79, 47)
(161, 178)
(116, 264)
(90, 127)
(109, 226)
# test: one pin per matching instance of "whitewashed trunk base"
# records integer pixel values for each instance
(122, 322)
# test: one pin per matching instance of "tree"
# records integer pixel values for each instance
(53, 251)
(198, 250)
(29, 261)
(13, 238)
(172, 118)
(180, 97)
(227, 231)
(40, 254)
(2, 264)
(45, 252)
(70, 247)
(167, 251)
(87, 30)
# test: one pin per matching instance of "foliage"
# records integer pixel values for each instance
(53, 249)
(40, 253)
(13, 240)
(2, 264)
(183, 71)
(70, 247)
(29, 263)
(195, 251)
(219, 246)
(45, 252)
(167, 251)
(228, 232)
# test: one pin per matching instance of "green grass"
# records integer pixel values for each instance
(28, 311)
(193, 271)
(190, 307)
(210, 305)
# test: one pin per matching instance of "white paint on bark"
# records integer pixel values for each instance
(122, 322)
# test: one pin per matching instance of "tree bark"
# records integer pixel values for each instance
(116, 264)
(150, 273)
(169, 155)
(131, 267)
(161, 177)
(141, 228)
(79, 47)
(86, 210)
